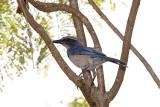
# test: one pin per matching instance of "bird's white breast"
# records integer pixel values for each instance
(81, 61)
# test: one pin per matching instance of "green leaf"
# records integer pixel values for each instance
(12, 24)
(1, 53)
(78, 102)
(63, 1)
(98, 2)
(42, 55)
(21, 60)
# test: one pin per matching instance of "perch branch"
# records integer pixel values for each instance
(134, 50)
(78, 23)
(51, 7)
(100, 76)
(81, 35)
(125, 50)
(39, 29)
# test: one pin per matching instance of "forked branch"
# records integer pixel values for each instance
(51, 7)
(134, 50)
(125, 49)
(39, 29)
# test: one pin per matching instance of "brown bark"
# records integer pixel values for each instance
(96, 95)
(100, 77)
(39, 29)
(19, 9)
(134, 50)
(125, 49)
(80, 34)
(51, 7)
(78, 23)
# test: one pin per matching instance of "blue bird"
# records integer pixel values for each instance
(86, 58)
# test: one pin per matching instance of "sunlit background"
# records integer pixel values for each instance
(54, 89)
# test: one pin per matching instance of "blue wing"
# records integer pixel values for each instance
(90, 52)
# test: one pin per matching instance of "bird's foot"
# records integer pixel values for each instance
(91, 84)
(80, 75)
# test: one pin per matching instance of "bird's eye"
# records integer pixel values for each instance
(69, 40)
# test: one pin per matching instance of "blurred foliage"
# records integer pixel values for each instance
(14, 48)
(98, 2)
(18, 42)
(21, 48)
(63, 1)
(112, 5)
(111, 2)
(78, 102)
(4, 6)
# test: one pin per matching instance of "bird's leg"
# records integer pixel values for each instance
(94, 76)
(80, 75)
(83, 70)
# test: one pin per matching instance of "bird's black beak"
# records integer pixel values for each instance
(58, 41)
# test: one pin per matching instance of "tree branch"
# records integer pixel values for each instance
(100, 76)
(81, 35)
(101, 87)
(78, 23)
(39, 29)
(125, 50)
(50, 7)
(134, 50)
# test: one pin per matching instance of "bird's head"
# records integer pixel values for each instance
(69, 42)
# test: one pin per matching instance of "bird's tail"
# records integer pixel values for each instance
(116, 61)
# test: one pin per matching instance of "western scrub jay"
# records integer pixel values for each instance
(86, 58)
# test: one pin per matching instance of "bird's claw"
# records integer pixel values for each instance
(80, 75)
(92, 84)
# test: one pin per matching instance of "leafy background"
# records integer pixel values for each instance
(21, 48)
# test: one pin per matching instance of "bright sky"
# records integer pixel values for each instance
(138, 88)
